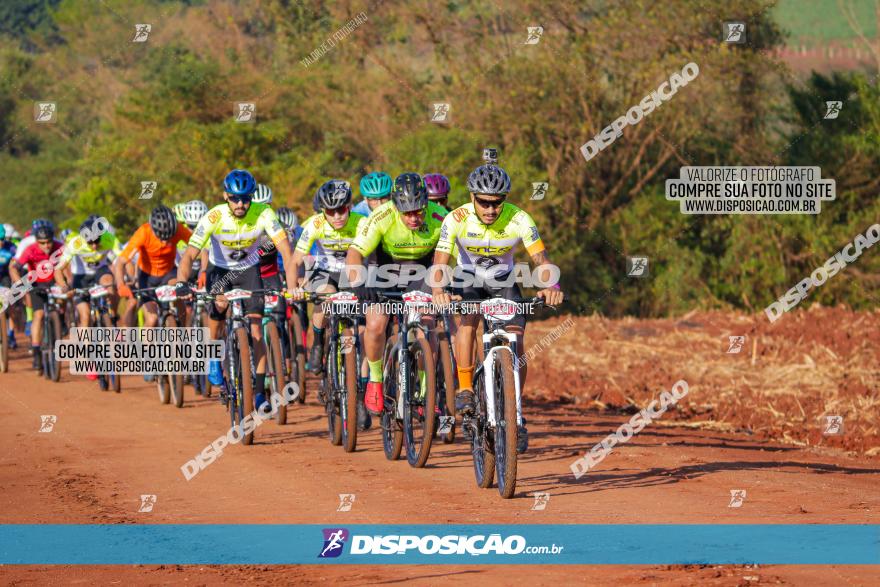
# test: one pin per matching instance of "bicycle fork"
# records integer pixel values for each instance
(489, 376)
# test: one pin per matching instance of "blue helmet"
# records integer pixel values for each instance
(240, 183)
(2, 232)
(376, 185)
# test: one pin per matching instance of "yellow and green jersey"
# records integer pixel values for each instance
(234, 242)
(330, 245)
(480, 246)
(83, 259)
(385, 227)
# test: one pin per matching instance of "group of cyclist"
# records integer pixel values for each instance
(243, 243)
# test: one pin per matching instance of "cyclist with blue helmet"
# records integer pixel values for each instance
(232, 234)
(376, 189)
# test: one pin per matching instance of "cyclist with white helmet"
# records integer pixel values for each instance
(193, 211)
(376, 189)
(486, 232)
(331, 232)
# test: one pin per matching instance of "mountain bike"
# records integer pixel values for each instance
(238, 365)
(101, 315)
(169, 385)
(52, 331)
(296, 346)
(492, 430)
(409, 415)
(343, 354)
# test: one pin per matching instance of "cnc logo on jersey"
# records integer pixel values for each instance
(148, 188)
(734, 32)
(141, 33)
(334, 541)
(833, 109)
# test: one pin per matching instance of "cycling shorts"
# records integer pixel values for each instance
(220, 280)
(84, 281)
(145, 280)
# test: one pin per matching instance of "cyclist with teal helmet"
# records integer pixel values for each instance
(376, 190)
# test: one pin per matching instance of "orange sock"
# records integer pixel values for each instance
(465, 377)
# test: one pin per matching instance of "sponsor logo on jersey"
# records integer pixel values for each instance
(276, 226)
(239, 244)
(487, 250)
(534, 233)
(461, 214)
(214, 216)
(473, 234)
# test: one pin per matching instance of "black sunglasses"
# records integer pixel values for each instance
(240, 199)
(489, 204)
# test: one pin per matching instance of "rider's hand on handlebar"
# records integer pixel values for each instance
(297, 294)
(182, 289)
(124, 290)
(552, 296)
(202, 279)
(441, 297)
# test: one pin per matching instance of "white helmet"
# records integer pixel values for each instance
(263, 194)
(193, 212)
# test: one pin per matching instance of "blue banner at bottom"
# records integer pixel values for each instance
(650, 544)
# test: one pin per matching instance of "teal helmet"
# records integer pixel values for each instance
(376, 185)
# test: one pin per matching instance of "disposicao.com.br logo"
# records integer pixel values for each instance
(480, 544)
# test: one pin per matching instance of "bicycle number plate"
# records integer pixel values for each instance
(342, 300)
(237, 294)
(499, 309)
(199, 290)
(271, 301)
(55, 292)
(99, 291)
(417, 298)
(166, 293)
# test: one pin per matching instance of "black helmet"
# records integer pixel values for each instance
(43, 229)
(489, 179)
(334, 194)
(86, 226)
(163, 222)
(409, 192)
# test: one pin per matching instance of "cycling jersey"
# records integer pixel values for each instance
(362, 208)
(331, 244)
(481, 247)
(154, 257)
(34, 259)
(7, 252)
(385, 226)
(234, 242)
(84, 260)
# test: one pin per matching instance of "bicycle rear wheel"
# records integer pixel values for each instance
(392, 428)
(4, 343)
(53, 333)
(418, 410)
(297, 355)
(481, 442)
(330, 382)
(446, 382)
(175, 380)
(275, 366)
(505, 430)
(245, 393)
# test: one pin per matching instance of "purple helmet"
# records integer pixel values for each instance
(437, 184)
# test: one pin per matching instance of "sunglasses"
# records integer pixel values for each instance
(335, 211)
(239, 199)
(489, 203)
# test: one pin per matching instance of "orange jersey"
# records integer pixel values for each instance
(154, 257)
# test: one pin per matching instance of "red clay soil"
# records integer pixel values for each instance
(107, 449)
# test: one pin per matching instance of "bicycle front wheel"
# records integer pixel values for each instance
(4, 343)
(419, 416)
(350, 366)
(175, 380)
(53, 333)
(297, 355)
(245, 391)
(505, 429)
(446, 383)
(114, 381)
(275, 364)
(392, 429)
(481, 441)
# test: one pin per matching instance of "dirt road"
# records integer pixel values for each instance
(106, 450)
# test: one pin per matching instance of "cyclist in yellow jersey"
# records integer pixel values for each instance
(232, 232)
(486, 232)
(402, 232)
